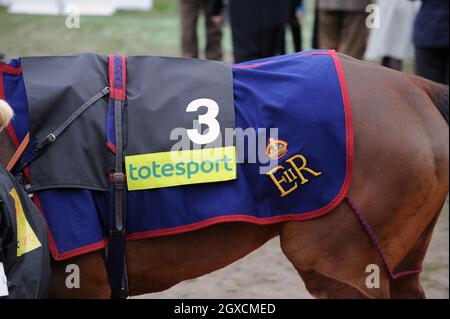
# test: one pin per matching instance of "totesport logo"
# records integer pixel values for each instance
(167, 169)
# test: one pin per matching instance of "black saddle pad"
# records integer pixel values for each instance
(158, 92)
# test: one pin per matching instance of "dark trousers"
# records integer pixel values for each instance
(267, 42)
(296, 28)
(315, 39)
(343, 31)
(190, 11)
(432, 63)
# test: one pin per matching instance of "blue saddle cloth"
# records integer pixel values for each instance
(304, 95)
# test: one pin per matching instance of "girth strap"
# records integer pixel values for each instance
(115, 254)
(115, 251)
(55, 134)
(37, 149)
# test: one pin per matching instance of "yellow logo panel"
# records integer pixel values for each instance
(26, 238)
(167, 169)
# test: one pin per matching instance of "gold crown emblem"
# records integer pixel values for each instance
(276, 149)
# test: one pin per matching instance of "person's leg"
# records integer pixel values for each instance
(295, 29)
(213, 50)
(432, 63)
(315, 39)
(354, 34)
(329, 25)
(273, 41)
(244, 47)
(246, 43)
(189, 16)
(283, 48)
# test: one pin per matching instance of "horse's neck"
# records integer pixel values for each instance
(6, 148)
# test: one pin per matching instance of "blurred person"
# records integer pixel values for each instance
(430, 37)
(342, 26)
(258, 26)
(391, 43)
(294, 16)
(315, 35)
(294, 23)
(190, 12)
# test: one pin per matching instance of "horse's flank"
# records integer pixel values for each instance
(400, 183)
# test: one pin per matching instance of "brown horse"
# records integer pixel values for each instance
(400, 183)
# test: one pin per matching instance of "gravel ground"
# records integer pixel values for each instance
(266, 273)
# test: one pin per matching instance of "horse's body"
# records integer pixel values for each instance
(400, 183)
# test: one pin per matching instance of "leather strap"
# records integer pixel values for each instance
(115, 253)
(55, 134)
(19, 152)
(119, 176)
(36, 150)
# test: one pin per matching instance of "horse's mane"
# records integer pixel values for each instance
(6, 114)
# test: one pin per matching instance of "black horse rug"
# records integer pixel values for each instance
(295, 109)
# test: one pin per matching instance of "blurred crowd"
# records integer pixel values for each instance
(393, 31)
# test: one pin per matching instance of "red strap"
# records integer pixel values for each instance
(117, 77)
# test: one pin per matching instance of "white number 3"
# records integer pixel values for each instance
(208, 119)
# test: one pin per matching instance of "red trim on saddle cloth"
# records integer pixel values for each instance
(7, 69)
(117, 69)
(27, 173)
(111, 147)
(377, 245)
(244, 218)
(300, 55)
(303, 217)
(53, 248)
(117, 77)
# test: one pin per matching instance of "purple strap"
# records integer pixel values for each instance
(377, 245)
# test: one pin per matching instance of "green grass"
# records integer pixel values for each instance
(127, 32)
(130, 33)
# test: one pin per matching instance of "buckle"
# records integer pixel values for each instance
(48, 140)
(106, 91)
(117, 178)
(51, 138)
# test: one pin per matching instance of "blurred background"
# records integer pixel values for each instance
(389, 33)
(403, 34)
(151, 30)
